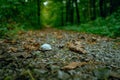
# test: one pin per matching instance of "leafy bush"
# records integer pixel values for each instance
(14, 13)
(10, 30)
(109, 26)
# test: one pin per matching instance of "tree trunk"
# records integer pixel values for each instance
(71, 16)
(67, 10)
(114, 5)
(93, 10)
(38, 11)
(62, 13)
(77, 12)
(102, 5)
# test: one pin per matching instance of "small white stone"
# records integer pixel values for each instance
(46, 47)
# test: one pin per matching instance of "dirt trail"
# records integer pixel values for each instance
(22, 58)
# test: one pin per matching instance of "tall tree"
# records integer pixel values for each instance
(114, 5)
(67, 10)
(38, 11)
(102, 4)
(71, 15)
(62, 12)
(93, 9)
(77, 12)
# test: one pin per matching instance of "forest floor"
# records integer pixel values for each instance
(74, 56)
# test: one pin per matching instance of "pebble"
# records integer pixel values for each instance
(46, 47)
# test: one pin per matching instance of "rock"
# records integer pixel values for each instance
(46, 47)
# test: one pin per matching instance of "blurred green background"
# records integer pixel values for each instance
(91, 16)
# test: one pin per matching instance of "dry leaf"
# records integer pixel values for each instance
(76, 47)
(12, 49)
(36, 45)
(41, 35)
(10, 41)
(31, 46)
(30, 40)
(59, 37)
(30, 33)
(92, 40)
(21, 32)
(73, 65)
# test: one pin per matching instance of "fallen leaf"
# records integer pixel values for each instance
(30, 47)
(31, 40)
(30, 33)
(10, 41)
(21, 32)
(12, 49)
(92, 40)
(76, 47)
(59, 37)
(36, 45)
(73, 65)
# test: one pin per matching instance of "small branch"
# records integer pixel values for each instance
(30, 74)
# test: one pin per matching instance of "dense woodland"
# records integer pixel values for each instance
(39, 13)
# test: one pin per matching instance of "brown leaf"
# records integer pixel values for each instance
(30, 33)
(21, 32)
(59, 37)
(92, 40)
(10, 41)
(36, 44)
(31, 46)
(12, 49)
(76, 47)
(73, 65)
(31, 40)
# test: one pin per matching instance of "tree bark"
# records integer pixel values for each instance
(67, 10)
(77, 12)
(71, 16)
(62, 13)
(93, 10)
(38, 11)
(102, 5)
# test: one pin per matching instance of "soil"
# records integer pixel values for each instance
(21, 58)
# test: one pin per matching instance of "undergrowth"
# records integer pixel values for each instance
(10, 30)
(109, 26)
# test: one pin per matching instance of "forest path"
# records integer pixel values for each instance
(23, 56)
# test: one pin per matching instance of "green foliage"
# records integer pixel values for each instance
(14, 13)
(18, 11)
(51, 14)
(10, 30)
(55, 14)
(109, 26)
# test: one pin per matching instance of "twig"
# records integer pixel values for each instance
(30, 74)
